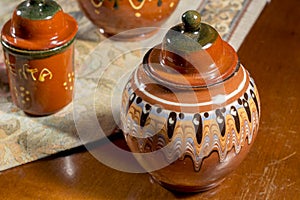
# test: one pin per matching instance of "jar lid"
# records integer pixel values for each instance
(192, 54)
(39, 25)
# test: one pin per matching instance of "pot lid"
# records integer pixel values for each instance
(39, 25)
(192, 54)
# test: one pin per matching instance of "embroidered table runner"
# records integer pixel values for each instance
(24, 139)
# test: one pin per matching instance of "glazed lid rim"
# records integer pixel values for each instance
(71, 23)
(26, 52)
(147, 70)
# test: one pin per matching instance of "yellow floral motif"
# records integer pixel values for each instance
(22, 95)
(135, 6)
(138, 14)
(68, 85)
(98, 4)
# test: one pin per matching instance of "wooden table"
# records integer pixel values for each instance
(271, 53)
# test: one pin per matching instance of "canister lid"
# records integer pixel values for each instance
(192, 54)
(39, 25)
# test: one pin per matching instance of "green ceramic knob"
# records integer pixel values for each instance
(191, 20)
(38, 9)
(191, 35)
(37, 1)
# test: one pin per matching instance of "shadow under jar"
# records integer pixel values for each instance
(191, 108)
(117, 16)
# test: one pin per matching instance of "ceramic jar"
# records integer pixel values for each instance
(116, 16)
(194, 105)
(39, 55)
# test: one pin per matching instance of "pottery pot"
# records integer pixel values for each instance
(193, 105)
(39, 55)
(117, 16)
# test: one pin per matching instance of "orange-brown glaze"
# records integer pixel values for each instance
(127, 14)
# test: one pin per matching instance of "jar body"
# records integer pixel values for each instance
(41, 83)
(114, 17)
(206, 132)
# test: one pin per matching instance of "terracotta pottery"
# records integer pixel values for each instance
(3, 75)
(116, 16)
(193, 104)
(39, 56)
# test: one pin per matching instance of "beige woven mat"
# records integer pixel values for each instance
(24, 139)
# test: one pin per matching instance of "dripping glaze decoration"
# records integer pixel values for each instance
(192, 97)
(38, 46)
(128, 17)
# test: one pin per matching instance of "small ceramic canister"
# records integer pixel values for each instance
(194, 105)
(39, 55)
